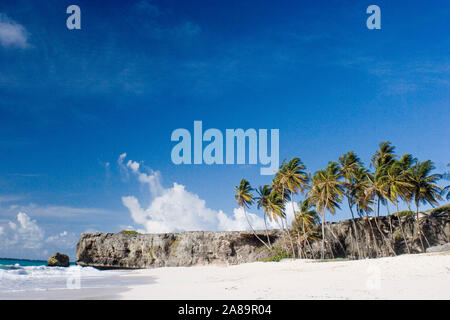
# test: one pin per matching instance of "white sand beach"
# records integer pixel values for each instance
(424, 276)
(421, 276)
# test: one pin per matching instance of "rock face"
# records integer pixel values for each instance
(382, 236)
(121, 250)
(374, 237)
(58, 260)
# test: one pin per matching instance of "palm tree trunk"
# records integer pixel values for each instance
(378, 205)
(287, 229)
(267, 232)
(323, 234)
(377, 249)
(401, 228)
(355, 230)
(383, 236)
(254, 232)
(419, 231)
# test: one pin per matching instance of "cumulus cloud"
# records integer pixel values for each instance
(12, 34)
(176, 209)
(24, 233)
(152, 178)
(24, 238)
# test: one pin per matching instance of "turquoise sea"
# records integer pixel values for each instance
(17, 275)
(6, 263)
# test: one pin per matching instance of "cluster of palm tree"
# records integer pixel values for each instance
(392, 180)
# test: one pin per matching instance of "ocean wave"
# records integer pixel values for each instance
(18, 278)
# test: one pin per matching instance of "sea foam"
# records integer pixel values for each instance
(18, 278)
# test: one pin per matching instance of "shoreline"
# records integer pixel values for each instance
(416, 276)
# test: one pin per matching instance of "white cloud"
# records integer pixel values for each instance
(175, 209)
(153, 178)
(24, 238)
(12, 34)
(25, 233)
(63, 239)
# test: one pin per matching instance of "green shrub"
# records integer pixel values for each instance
(404, 213)
(131, 232)
(279, 255)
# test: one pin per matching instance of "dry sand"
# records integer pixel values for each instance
(422, 276)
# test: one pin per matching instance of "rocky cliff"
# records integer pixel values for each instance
(125, 250)
(354, 239)
(382, 236)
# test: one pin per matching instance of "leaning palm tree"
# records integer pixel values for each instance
(306, 215)
(423, 188)
(304, 224)
(395, 182)
(406, 162)
(275, 206)
(373, 191)
(384, 155)
(382, 160)
(263, 201)
(244, 198)
(349, 165)
(292, 178)
(326, 193)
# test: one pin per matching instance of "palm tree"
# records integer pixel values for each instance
(275, 206)
(326, 192)
(372, 188)
(423, 188)
(361, 195)
(349, 164)
(263, 202)
(383, 158)
(305, 221)
(406, 162)
(395, 182)
(290, 179)
(384, 155)
(244, 198)
(375, 189)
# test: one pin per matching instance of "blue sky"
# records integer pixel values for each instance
(73, 101)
